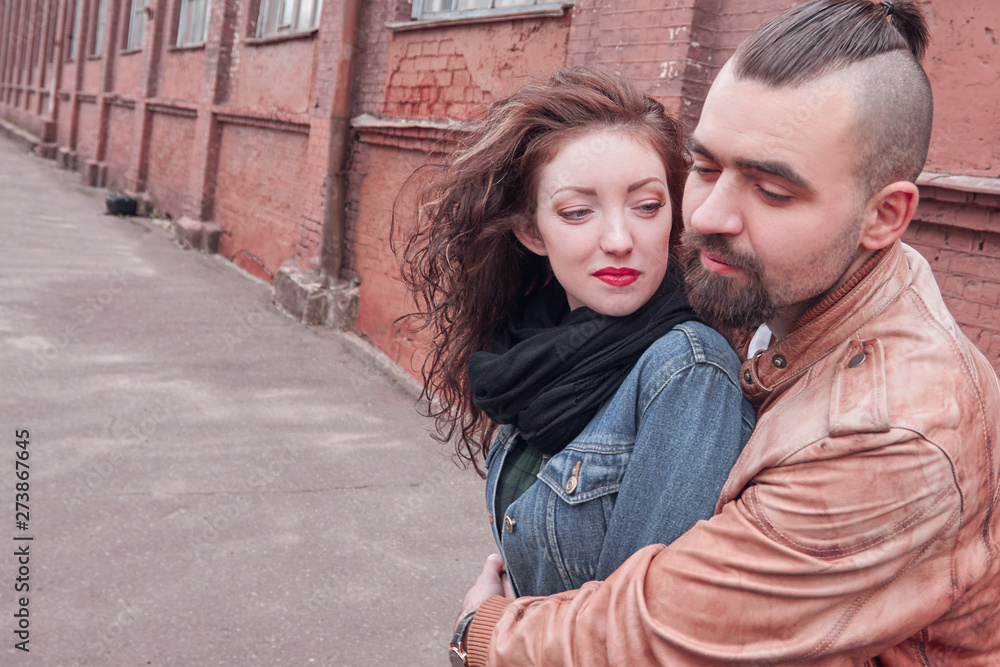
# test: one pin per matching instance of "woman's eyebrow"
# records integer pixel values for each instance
(638, 184)
(584, 191)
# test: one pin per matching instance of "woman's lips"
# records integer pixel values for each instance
(715, 264)
(617, 277)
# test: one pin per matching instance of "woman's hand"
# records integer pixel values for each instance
(492, 581)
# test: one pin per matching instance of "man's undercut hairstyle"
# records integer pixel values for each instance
(877, 46)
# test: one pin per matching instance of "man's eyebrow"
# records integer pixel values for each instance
(696, 146)
(782, 170)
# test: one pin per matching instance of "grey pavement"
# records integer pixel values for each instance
(209, 482)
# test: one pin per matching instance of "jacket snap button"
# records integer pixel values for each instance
(779, 361)
(857, 360)
(509, 523)
(571, 484)
(747, 377)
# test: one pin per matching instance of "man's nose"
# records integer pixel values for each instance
(719, 211)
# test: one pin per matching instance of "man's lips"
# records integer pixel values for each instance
(617, 277)
(713, 263)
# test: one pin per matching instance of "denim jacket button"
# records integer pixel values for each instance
(571, 484)
(509, 523)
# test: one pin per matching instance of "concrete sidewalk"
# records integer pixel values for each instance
(210, 482)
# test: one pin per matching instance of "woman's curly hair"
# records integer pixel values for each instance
(462, 263)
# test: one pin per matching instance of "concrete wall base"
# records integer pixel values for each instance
(28, 141)
(95, 174)
(303, 295)
(194, 234)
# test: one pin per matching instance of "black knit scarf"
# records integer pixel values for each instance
(551, 369)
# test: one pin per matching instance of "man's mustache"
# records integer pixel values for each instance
(718, 246)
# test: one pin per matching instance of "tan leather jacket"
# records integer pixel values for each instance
(858, 522)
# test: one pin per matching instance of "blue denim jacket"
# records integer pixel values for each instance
(648, 466)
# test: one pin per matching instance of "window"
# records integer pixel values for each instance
(193, 23)
(447, 9)
(95, 49)
(136, 25)
(285, 17)
(74, 37)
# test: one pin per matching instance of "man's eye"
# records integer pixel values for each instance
(704, 171)
(773, 196)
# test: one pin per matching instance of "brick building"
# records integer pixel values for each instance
(288, 127)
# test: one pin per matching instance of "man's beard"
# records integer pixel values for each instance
(721, 301)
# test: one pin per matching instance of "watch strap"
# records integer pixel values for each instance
(456, 649)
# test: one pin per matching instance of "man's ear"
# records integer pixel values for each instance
(888, 214)
(529, 237)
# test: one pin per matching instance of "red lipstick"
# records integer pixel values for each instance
(617, 277)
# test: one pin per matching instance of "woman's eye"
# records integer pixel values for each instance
(651, 208)
(574, 214)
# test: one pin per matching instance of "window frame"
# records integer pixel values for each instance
(100, 27)
(76, 28)
(418, 12)
(283, 18)
(135, 31)
(183, 38)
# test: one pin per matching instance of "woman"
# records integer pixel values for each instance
(564, 353)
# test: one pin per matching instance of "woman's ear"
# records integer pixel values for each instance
(529, 237)
(889, 213)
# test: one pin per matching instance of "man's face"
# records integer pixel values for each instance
(771, 209)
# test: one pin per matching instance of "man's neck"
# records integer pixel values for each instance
(785, 318)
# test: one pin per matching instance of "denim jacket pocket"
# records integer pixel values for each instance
(565, 516)
(581, 473)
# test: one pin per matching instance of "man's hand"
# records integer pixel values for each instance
(492, 581)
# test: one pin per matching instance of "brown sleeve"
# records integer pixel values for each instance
(481, 629)
(820, 562)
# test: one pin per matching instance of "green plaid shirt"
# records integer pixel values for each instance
(519, 472)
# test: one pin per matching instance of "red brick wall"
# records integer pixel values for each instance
(181, 75)
(259, 201)
(121, 146)
(966, 267)
(278, 77)
(88, 126)
(454, 72)
(383, 296)
(372, 56)
(64, 126)
(92, 74)
(171, 142)
(432, 79)
(962, 62)
(127, 71)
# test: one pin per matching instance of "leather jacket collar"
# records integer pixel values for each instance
(824, 327)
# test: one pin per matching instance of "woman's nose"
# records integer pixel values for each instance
(616, 239)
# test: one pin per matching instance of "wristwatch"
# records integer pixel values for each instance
(456, 650)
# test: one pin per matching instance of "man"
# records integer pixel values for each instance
(858, 526)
